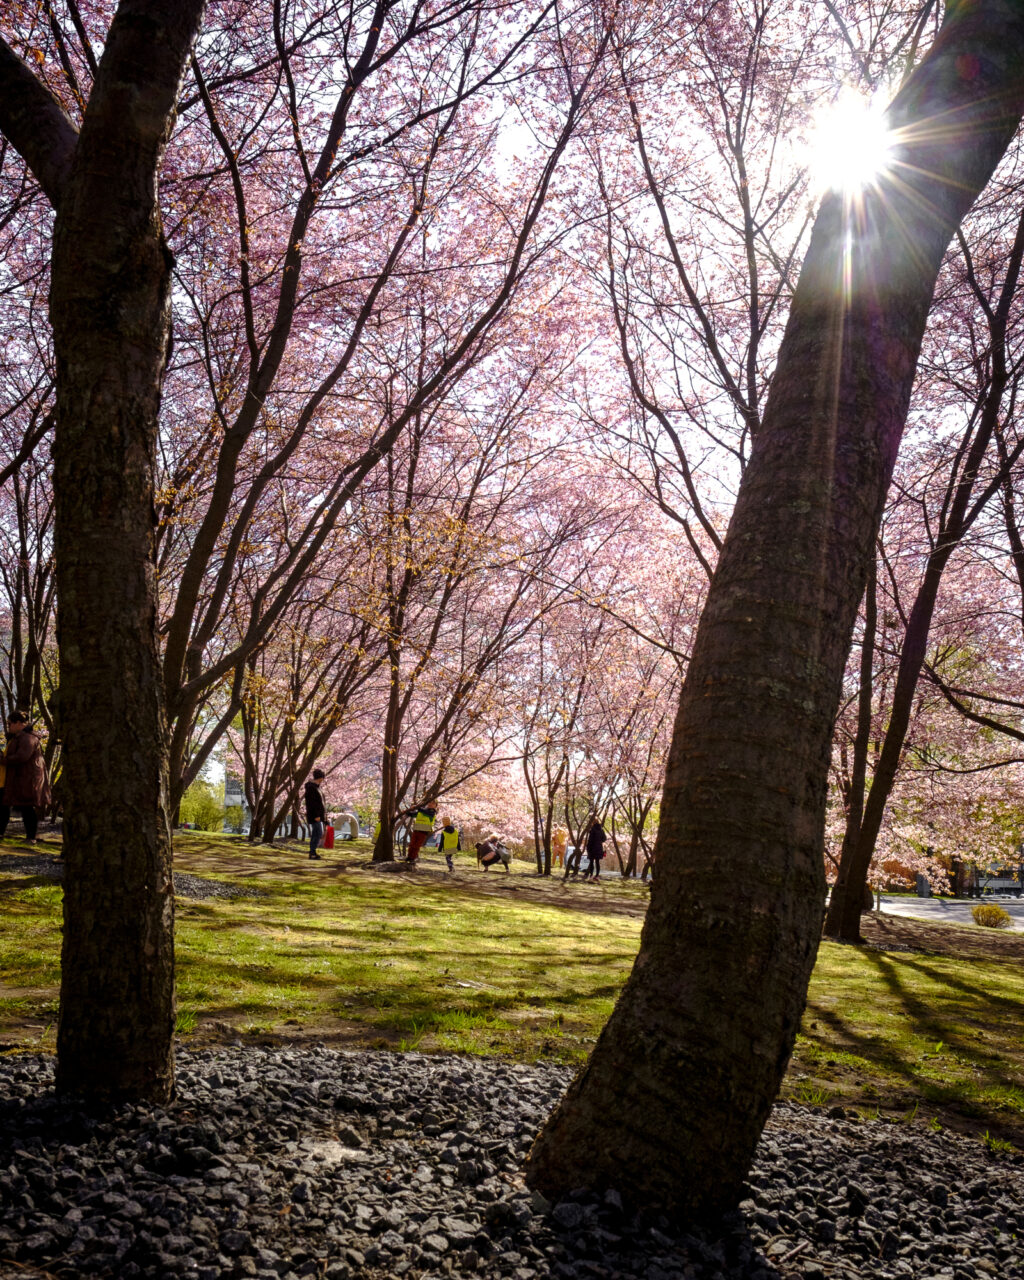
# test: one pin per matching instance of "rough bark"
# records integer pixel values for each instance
(109, 307)
(670, 1106)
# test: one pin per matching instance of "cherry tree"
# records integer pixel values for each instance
(708, 1016)
(313, 150)
(556, 683)
(948, 801)
(703, 219)
(304, 688)
(28, 674)
(469, 535)
(636, 707)
(109, 307)
(294, 317)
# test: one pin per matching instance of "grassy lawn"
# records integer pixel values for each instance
(936, 1036)
(496, 964)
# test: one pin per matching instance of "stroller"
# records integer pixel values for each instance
(491, 852)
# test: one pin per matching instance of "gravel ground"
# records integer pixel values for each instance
(189, 886)
(313, 1162)
(185, 885)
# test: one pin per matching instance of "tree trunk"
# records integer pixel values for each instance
(384, 845)
(545, 870)
(177, 741)
(843, 920)
(538, 842)
(110, 310)
(634, 845)
(670, 1106)
(858, 777)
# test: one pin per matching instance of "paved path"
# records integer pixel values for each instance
(951, 910)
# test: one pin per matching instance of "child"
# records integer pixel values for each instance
(448, 841)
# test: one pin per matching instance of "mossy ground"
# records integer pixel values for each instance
(513, 965)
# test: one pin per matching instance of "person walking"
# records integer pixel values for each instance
(422, 829)
(26, 786)
(449, 842)
(595, 850)
(316, 813)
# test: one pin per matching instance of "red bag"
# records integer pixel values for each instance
(329, 838)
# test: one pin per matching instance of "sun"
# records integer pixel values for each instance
(850, 147)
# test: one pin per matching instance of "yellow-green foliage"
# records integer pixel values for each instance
(202, 807)
(991, 916)
(234, 817)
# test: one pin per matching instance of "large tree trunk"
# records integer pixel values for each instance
(670, 1106)
(110, 310)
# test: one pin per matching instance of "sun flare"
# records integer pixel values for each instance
(850, 147)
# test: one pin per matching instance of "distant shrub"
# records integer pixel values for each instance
(990, 916)
(202, 807)
(234, 818)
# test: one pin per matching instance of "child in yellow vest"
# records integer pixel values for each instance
(448, 841)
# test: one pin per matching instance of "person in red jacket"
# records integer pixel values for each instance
(26, 786)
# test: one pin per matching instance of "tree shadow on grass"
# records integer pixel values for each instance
(392, 1003)
(980, 1068)
(8, 888)
(381, 939)
(1012, 1006)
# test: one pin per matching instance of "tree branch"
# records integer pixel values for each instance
(35, 124)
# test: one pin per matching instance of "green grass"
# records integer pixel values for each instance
(913, 1029)
(412, 963)
(185, 1021)
(502, 966)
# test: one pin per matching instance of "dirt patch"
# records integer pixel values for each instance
(228, 1028)
(960, 941)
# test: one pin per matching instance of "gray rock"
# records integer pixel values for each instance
(568, 1215)
(458, 1230)
(250, 1151)
(235, 1242)
(541, 1204)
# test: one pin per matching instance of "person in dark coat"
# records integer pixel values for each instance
(316, 812)
(26, 786)
(595, 850)
(491, 852)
